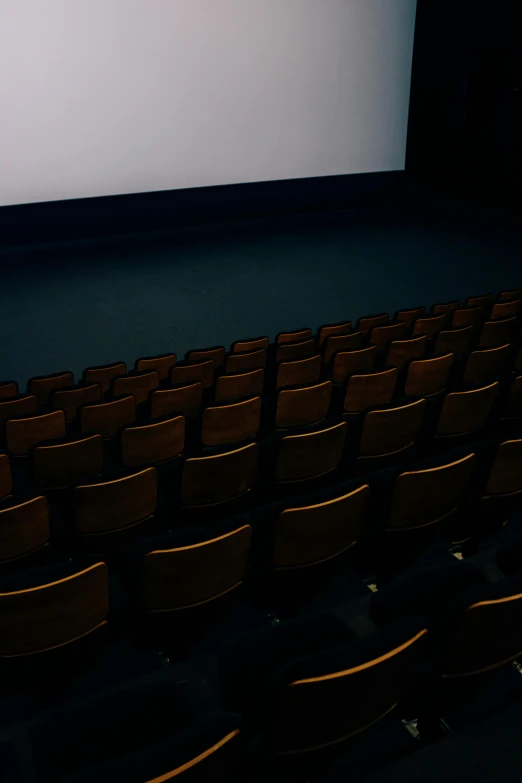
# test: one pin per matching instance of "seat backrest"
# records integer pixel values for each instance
(422, 497)
(215, 354)
(6, 478)
(368, 322)
(232, 423)
(392, 429)
(163, 364)
(513, 404)
(497, 333)
(24, 528)
(218, 478)
(366, 391)
(299, 372)
(58, 465)
(139, 384)
(301, 457)
(295, 336)
(410, 315)
(104, 374)
(23, 433)
(196, 574)
(466, 411)
(483, 300)
(486, 364)
(505, 476)
(113, 505)
(53, 613)
(469, 316)
(152, 444)
(446, 309)
(456, 341)
(202, 371)
(70, 400)
(248, 346)
(312, 534)
(185, 400)
(43, 385)
(108, 417)
(381, 336)
(518, 360)
(230, 388)
(240, 362)
(400, 352)
(341, 342)
(510, 296)
(348, 363)
(306, 405)
(503, 310)
(20, 406)
(287, 352)
(8, 389)
(426, 377)
(328, 330)
(431, 325)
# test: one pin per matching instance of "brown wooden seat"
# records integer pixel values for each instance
(310, 455)
(6, 478)
(410, 315)
(328, 330)
(8, 389)
(503, 310)
(24, 531)
(19, 406)
(70, 400)
(455, 341)
(104, 374)
(240, 362)
(230, 388)
(23, 433)
(215, 354)
(369, 322)
(496, 333)
(483, 300)
(426, 377)
(185, 400)
(345, 342)
(510, 296)
(152, 444)
(370, 389)
(232, 423)
(163, 364)
(249, 346)
(400, 352)
(513, 405)
(43, 385)
(298, 373)
(108, 417)
(306, 405)
(465, 412)
(219, 478)
(470, 316)
(447, 309)
(202, 371)
(388, 436)
(430, 326)
(60, 464)
(295, 336)
(382, 336)
(487, 364)
(502, 495)
(348, 363)
(140, 385)
(111, 507)
(287, 352)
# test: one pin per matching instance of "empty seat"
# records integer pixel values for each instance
(23, 433)
(215, 354)
(503, 310)
(348, 363)
(368, 322)
(59, 464)
(108, 417)
(310, 455)
(430, 326)
(202, 371)
(373, 388)
(298, 373)
(332, 330)
(239, 362)
(426, 377)
(497, 333)
(219, 478)
(104, 374)
(382, 336)
(510, 296)
(139, 384)
(388, 436)
(472, 316)
(446, 309)
(487, 364)
(185, 400)
(70, 400)
(410, 315)
(232, 423)
(502, 495)
(43, 385)
(287, 352)
(24, 530)
(465, 412)
(230, 388)
(152, 444)
(342, 342)
(483, 300)
(8, 389)
(6, 479)
(295, 336)
(305, 405)
(455, 341)
(513, 405)
(400, 352)
(163, 364)
(248, 346)
(19, 406)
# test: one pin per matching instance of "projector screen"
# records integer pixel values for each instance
(104, 97)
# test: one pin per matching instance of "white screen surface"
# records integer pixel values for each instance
(104, 97)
